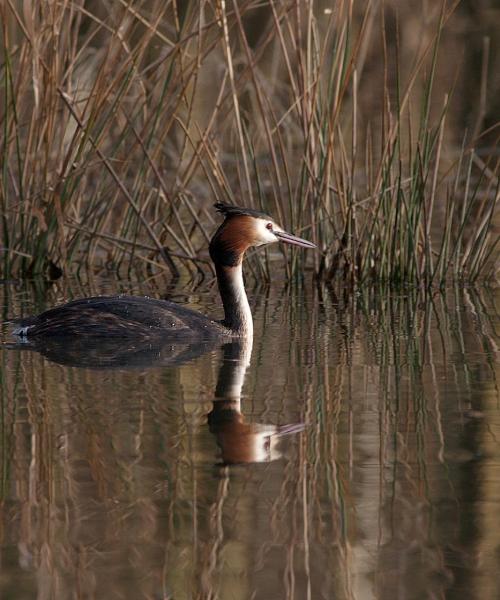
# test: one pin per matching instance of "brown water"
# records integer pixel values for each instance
(154, 478)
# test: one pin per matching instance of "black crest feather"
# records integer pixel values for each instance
(231, 211)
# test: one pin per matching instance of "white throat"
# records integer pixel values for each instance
(237, 313)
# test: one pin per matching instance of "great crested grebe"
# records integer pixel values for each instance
(142, 317)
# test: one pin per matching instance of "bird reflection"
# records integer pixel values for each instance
(240, 441)
(113, 353)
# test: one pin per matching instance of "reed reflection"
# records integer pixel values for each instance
(109, 480)
(240, 441)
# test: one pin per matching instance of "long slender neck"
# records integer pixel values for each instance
(237, 313)
(227, 248)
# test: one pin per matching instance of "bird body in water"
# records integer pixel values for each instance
(142, 317)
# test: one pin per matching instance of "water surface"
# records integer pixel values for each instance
(162, 475)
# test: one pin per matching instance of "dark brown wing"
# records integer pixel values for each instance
(119, 316)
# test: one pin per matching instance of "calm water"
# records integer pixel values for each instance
(353, 452)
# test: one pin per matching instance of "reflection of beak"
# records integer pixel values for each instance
(244, 443)
(288, 238)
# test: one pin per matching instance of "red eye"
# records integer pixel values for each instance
(269, 226)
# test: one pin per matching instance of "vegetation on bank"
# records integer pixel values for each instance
(354, 125)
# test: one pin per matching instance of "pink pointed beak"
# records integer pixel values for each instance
(288, 238)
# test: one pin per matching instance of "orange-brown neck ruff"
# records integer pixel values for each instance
(231, 240)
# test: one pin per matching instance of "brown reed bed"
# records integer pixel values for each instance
(122, 123)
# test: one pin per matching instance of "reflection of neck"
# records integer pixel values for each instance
(232, 371)
(240, 441)
(237, 313)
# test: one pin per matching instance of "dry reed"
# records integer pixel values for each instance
(123, 122)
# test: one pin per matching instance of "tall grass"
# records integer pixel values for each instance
(121, 124)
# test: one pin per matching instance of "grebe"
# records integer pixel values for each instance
(142, 317)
